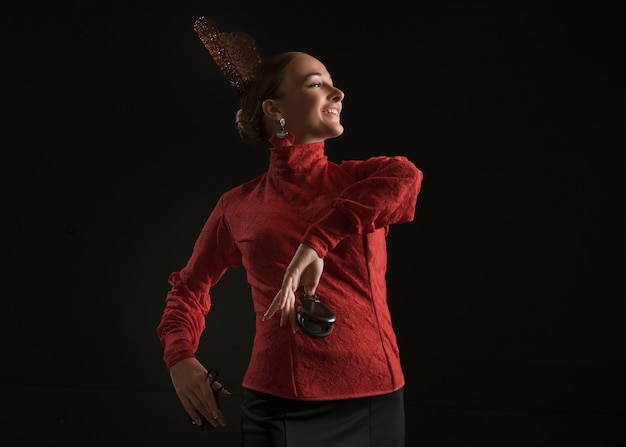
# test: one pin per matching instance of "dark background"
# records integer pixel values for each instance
(507, 290)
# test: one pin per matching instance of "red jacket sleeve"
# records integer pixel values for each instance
(384, 193)
(188, 299)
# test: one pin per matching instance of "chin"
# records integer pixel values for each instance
(338, 131)
(327, 134)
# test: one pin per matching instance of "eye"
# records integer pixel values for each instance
(315, 84)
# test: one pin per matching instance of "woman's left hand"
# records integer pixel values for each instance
(304, 270)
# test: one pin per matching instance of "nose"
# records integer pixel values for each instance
(336, 94)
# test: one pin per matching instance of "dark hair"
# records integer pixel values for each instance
(266, 85)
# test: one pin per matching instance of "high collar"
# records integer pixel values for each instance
(287, 158)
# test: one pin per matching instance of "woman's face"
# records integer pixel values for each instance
(308, 101)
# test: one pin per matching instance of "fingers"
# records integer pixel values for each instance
(208, 409)
(288, 314)
(198, 411)
(284, 296)
(276, 305)
(203, 407)
(292, 319)
(284, 316)
(304, 270)
(219, 390)
(198, 392)
(216, 389)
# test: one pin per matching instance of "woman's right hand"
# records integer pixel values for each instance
(304, 270)
(195, 391)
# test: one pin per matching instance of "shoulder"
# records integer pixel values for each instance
(243, 190)
(383, 163)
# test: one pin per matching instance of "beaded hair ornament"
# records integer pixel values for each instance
(234, 53)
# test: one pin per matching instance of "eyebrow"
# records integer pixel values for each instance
(316, 74)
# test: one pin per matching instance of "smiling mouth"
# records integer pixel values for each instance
(332, 112)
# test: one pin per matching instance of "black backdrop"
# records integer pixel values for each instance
(507, 290)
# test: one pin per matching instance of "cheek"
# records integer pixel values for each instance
(304, 112)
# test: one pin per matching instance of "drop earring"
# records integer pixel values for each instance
(283, 133)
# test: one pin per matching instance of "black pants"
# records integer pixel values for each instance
(269, 421)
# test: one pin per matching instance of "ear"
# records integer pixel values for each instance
(271, 109)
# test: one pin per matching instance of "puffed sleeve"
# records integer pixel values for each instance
(188, 300)
(384, 193)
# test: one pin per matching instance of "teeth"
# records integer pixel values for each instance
(333, 111)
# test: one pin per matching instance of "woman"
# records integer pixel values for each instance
(325, 367)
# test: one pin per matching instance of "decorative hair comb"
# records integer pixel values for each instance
(234, 53)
